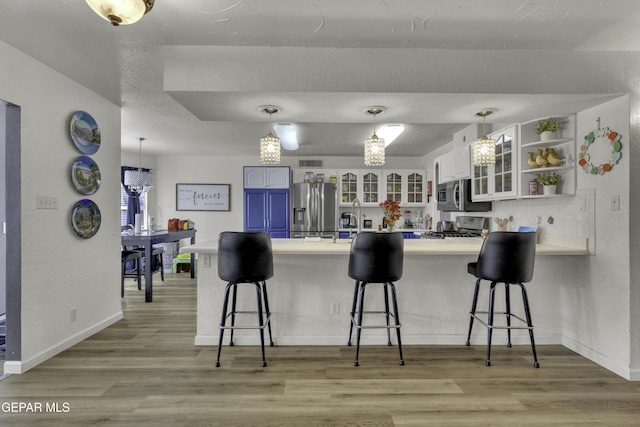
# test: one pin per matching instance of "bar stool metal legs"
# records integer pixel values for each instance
(264, 315)
(357, 309)
(490, 318)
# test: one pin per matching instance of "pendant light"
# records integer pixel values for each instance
(484, 149)
(139, 180)
(121, 12)
(374, 146)
(270, 145)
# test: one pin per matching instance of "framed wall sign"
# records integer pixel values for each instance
(203, 197)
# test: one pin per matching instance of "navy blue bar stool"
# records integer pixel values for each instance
(375, 258)
(245, 258)
(505, 257)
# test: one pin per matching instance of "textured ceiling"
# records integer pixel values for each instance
(127, 64)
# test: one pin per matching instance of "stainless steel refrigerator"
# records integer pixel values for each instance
(315, 210)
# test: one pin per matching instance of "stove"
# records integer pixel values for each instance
(466, 226)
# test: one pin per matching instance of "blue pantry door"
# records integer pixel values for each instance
(268, 211)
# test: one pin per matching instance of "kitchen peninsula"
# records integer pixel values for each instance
(310, 292)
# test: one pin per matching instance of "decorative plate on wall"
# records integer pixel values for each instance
(85, 175)
(85, 218)
(84, 132)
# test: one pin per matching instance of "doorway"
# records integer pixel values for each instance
(10, 217)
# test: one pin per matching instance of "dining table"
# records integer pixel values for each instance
(146, 240)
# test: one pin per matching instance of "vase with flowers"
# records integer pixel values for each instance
(391, 210)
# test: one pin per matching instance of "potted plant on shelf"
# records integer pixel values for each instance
(547, 128)
(549, 183)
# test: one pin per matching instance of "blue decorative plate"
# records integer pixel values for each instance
(85, 218)
(85, 175)
(84, 132)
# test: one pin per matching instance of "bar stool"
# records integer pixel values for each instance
(245, 258)
(375, 258)
(505, 257)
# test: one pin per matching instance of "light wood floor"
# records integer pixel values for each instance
(145, 371)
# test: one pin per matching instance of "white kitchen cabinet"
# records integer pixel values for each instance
(500, 180)
(371, 187)
(405, 186)
(564, 146)
(455, 165)
(416, 186)
(462, 163)
(447, 172)
(267, 177)
(364, 185)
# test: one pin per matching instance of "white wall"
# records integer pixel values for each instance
(61, 272)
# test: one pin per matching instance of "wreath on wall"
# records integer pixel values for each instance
(609, 136)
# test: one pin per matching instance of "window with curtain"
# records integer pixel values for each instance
(124, 204)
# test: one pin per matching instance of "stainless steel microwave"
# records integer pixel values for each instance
(456, 197)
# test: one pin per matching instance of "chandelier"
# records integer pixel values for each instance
(484, 149)
(141, 180)
(374, 146)
(269, 145)
(121, 12)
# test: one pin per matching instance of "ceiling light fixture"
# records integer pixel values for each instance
(287, 134)
(269, 145)
(374, 146)
(141, 180)
(390, 132)
(121, 12)
(484, 149)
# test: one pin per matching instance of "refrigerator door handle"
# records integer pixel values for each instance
(314, 208)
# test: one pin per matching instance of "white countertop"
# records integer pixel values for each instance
(450, 246)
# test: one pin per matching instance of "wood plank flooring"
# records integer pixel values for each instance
(145, 371)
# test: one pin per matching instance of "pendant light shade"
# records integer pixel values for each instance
(139, 180)
(484, 149)
(121, 12)
(374, 154)
(374, 151)
(270, 145)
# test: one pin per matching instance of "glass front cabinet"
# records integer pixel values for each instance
(500, 180)
(371, 187)
(415, 188)
(374, 186)
(348, 187)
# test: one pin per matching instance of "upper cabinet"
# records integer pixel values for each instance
(455, 165)
(267, 177)
(371, 187)
(548, 156)
(500, 180)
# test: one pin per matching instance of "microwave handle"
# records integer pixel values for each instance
(456, 195)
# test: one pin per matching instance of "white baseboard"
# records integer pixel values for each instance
(22, 366)
(602, 360)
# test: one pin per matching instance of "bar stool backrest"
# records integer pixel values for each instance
(244, 257)
(376, 257)
(507, 257)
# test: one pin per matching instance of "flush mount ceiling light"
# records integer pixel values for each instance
(484, 149)
(287, 134)
(141, 180)
(374, 146)
(269, 145)
(121, 12)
